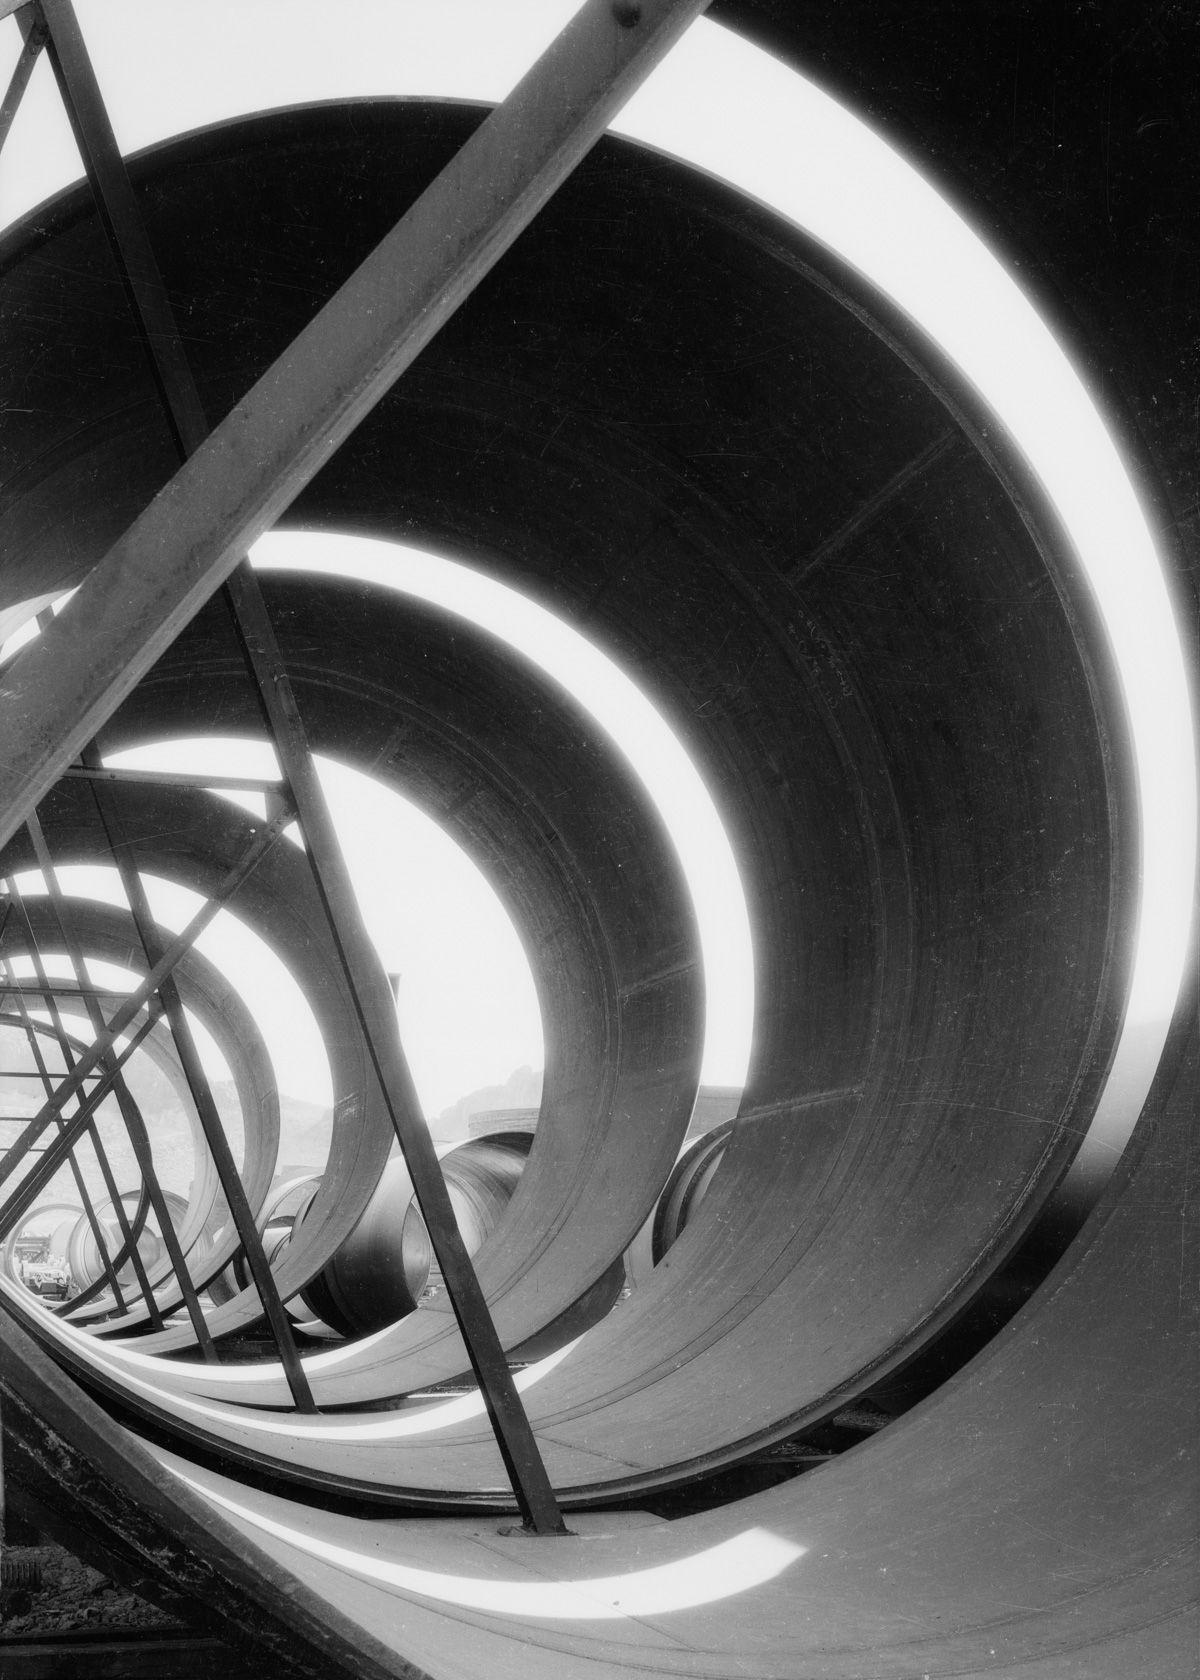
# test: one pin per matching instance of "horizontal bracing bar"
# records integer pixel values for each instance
(173, 778)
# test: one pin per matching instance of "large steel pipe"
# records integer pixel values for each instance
(106, 934)
(582, 863)
(193, 838)
(912, 732)
(911, 721)
(386, 1264)
(1036, 1519)
(523, 781)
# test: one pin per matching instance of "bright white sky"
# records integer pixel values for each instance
(168, 65)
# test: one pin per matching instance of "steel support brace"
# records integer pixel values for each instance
(57, 1153)
(34, 41)
(172, 778)
(239, 481)
(139, 998)
(418, 276)
(59, 690)
(81, 1189)
(376, 1012)
(210, 1121)
(135, 1126)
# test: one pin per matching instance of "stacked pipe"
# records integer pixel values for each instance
(912, 729)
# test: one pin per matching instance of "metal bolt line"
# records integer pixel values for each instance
(131, 1114)
(145, 993)
(210, 1120)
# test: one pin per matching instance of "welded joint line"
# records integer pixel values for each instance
(131, 1114)
(34, 39)
(875, 505)
(201, 1092)
(144, 995)
(35, 1050)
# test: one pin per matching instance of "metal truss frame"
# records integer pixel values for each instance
(234, 482)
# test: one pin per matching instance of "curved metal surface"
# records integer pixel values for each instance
(193, 838)
(903, 826)
(107, 934)
(578, 857)
(916, 738)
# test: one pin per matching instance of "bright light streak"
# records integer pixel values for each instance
(727, 107)
(618, 705)
(468, 1004)
(723, 1571)
(278, 1006)
(138, 1371)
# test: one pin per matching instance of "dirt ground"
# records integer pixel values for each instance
(72, 1599)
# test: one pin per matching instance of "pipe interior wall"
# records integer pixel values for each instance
(107, 935)
(927, 701)
(581, 862)
(993, 1531)
(193, 839)
(911, 733)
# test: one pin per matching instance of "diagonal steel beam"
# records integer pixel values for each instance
(131, 1114)
(375, 1008)
(58, 691)
(55, 1154)
(139, 273)
(211, 1124)
(34, 41)
(81, 1189)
